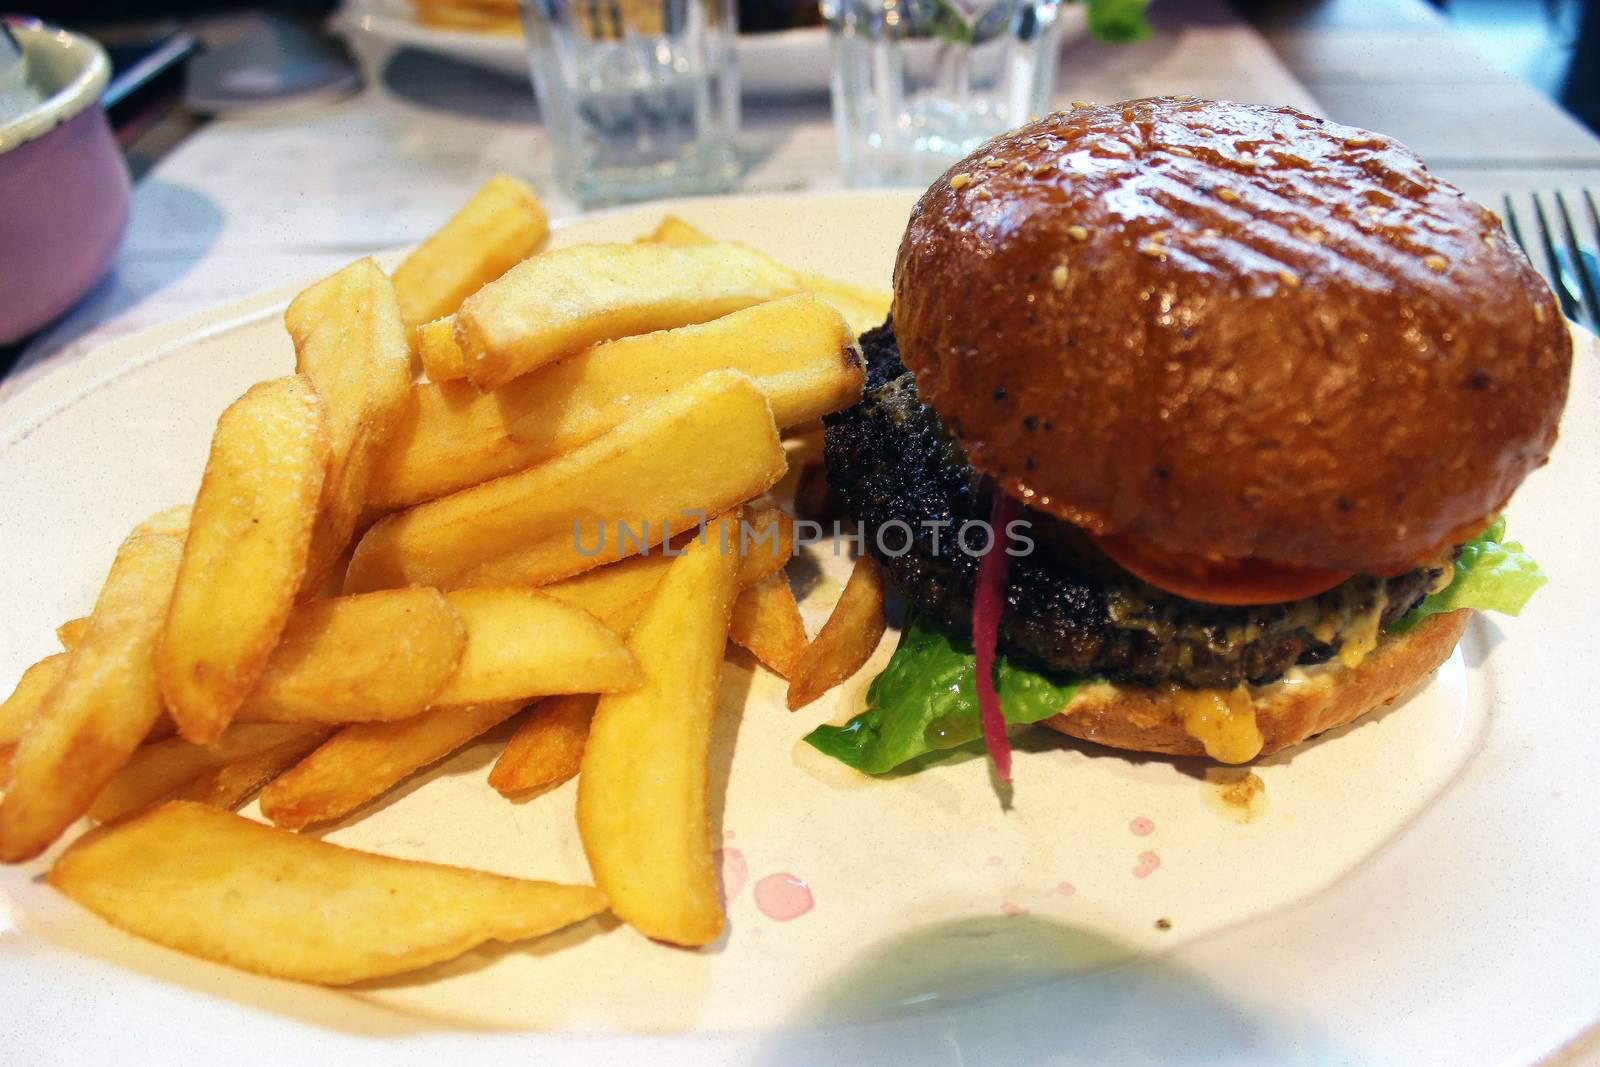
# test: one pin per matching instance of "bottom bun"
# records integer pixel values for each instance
(1147, 720)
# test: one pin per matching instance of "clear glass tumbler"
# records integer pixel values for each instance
(640, 97)
(918, 84)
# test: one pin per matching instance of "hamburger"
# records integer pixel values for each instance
(1240, 394)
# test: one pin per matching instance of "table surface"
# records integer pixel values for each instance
(249, 203)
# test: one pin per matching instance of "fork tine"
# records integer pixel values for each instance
(1557, 273)
(1593, 259)
(1586, 280)
(1509, 219)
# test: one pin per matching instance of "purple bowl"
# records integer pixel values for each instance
(63, 184)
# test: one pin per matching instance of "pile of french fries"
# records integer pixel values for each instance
(377, 570)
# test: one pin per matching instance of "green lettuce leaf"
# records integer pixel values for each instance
(1492, 574)
(1118, 21)
(926, 701)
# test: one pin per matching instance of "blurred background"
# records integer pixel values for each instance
(265, 140)
(1553, 45)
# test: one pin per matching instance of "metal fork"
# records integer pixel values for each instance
(1567, 253)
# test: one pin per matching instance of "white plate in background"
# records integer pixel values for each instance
(1419, 888)
(783, 62)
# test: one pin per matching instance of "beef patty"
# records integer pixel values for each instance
(1067, 607)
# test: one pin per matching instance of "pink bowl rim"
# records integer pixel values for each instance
(67, 102)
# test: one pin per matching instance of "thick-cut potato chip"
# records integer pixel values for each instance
(438, 351)
(559, 303)
(231, 784)
(361, 762)
(233, 891)
(547, 748)
(99, 709)
(766, 620)
(522, 644)
(350, 342)
(798, 351)
(642, 790)
(245, 554)
(863, 308)
(846, 640)
(703, 450)
(156, 771)
(498, 228)
(369, 658)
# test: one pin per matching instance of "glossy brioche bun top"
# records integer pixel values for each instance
(1236, 331)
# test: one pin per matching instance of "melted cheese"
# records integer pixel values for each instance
(1359, 635)
(1222, 721)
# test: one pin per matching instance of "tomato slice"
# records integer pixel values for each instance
(1226, 581)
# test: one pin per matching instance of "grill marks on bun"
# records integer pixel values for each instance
(1235, 331)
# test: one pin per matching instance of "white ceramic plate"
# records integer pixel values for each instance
(1419, 888)
(785, 62)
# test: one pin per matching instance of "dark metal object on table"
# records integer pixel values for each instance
(1564, 244)
(154, 74)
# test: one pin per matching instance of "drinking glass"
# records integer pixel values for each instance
(918, 84)
(640, 97)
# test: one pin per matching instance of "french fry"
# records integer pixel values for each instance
(494, 231)
(522, 644)
(642, 789)
(224, 888)
(547, 748)
(350, 342)
(766, 620)
(29, 695)
(549, 743)
(157, 770)
(703, 449)
(23, 705)
(370, 658)
(846, 640)
(438, 351)
(765, 542)
(100, 708)
(557, 304)
(797, 350)
(71, 632)
(814, 498)
(607, 591)
(672, 230)
(469, 19)
(174, 522)
(361, 762)
(863, 308)
(231, 784)
(245, 553)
